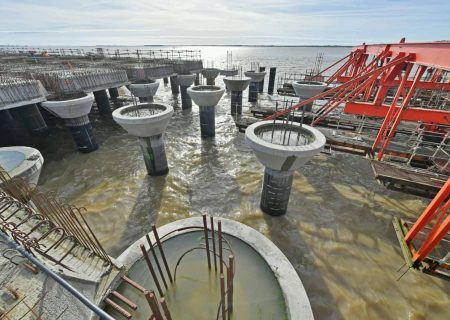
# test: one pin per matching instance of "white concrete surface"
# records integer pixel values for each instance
(276, 156)
(237, 83)
(145, 125)
(306, 90)
(69, 109)
(210, 73)
(24, 162)
(206, 96)
(143, 90)
(185, 80)
(255, 76)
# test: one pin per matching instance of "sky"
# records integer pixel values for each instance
(221, 22)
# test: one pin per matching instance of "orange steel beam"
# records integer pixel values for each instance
(434, 54)
(422, 84)
(426, 216)
(411, 114)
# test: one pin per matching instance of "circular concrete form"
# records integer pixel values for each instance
(185, 81)
(236, 85)
(210, 74)
(23, 162)
(307, 89)
(256, 78)
(145, 90)
(147, 121)
(296, 302)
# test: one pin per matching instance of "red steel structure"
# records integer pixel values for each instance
(380, 80)
(426, 244)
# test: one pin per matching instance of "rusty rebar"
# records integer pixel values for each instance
(222, 295)
(152, 271)
(133, 284)
(158, 265)
(124, 299)
(165, 309)
(205, 229)
(213, 242)
(230, 279)
(161, 251)
(153, 303)
(220, 247)
(118, 308)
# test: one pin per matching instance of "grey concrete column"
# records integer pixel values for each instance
(261, 84)
(101, 98)
(186, 101)
(236, 102)
(82, 133)
(208, 121)
(5, 117)
(276, 191)
(146, 99)
(32, 118)
(272, 74)
(174, 85)
(253, 92)
(154, 155)
(197, 79)
(210, 81)
(113, 93)
(166, 80)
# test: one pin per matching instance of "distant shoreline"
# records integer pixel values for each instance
(175, 45)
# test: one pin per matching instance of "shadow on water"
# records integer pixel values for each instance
(143, 214)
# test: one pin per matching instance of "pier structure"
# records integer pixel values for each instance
(210, 74)
(272, 75)
(261, 84)
(185, 81)
(282, 147)
(148, 122)
(236, 85)
(256, 78)
(206, 97)
(20, 97)
(145, 90)
(307, 89)
(174, 86)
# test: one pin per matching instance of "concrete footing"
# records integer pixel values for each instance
(32, 118)
(154, 155)
(236, 102)
(253, 90)
(208, 121)
(101, 98)
(261, 84)
(276, 191)
(272, 74)
(113, 93)
(82, 133)
(174, 85)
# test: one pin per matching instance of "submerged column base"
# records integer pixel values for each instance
(145, 99)
(165, 80)
(113, 93)
(186, 101)
(236, 102)
(253, 92)
(197, 79)
(174, 85)
(210, 82)
(154, 155)
(82, 133)
(101, 98)
(276, 191)
(208, 121)
(33, 118)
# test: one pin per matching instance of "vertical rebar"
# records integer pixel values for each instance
(230, 278)
(161, 251)
(158, 265)
(152, 271)
(222, 295)
(213, 242)
(205, 229)
(153, 303)
(165, 309)
(220, 247)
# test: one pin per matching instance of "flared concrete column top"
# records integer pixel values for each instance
(229, 73)
(23, 162)
(205, 96)
(144, 119)
(144, 88)
(69, 109)
(210, 73)
(280, 151)
(255, 76)
(185, 80)
(308, 89)
(237, 83)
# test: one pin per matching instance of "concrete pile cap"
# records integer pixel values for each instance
(16, 92)
(308, 89)
(24, 162)
(185, 80)
(237, 83)
(69, 109)
(144, 88)
(283, 157)
(210, 73)
(229, 73)
(205, 96)
(145, 125)
(255, 76)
